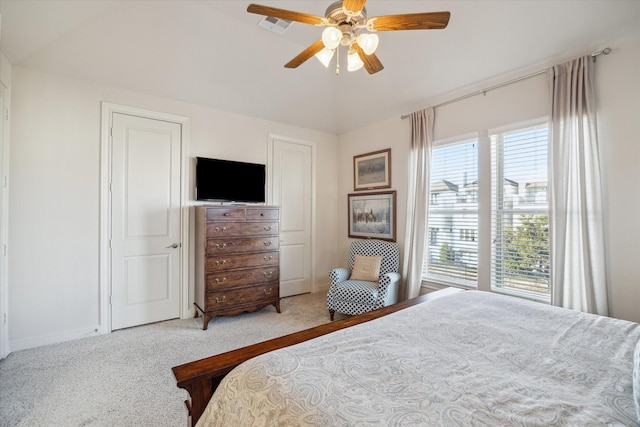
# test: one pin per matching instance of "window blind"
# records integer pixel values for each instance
(520, 211)
(452, 232)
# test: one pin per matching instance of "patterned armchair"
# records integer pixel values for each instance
(355, 296)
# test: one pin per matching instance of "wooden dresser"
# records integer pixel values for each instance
(237, 259)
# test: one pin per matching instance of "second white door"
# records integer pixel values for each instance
(291, 189)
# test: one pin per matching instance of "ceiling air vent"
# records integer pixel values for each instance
(276, 25)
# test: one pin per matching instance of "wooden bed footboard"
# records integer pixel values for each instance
(201, 377)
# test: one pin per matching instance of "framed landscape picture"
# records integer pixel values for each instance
(373, 215)
(372, 170)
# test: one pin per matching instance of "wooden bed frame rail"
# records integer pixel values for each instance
(201, 377)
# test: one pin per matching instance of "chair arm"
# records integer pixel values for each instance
(387, 279)
(390, 282)
(338, 275)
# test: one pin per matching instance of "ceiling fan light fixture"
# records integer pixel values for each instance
(331, 37)
(354, 63)
(325, 56)
(344, 21)
(368, 42)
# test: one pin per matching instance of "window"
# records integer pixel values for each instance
(467, 234)
(433, 236)
(520, 211)
(501, 214)
(452, 249)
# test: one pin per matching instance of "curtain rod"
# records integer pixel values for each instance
(605, 51)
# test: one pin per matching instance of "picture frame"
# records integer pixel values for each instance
(372, 170)
(372, 215)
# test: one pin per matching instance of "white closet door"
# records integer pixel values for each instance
(145, 221)
(291, 190)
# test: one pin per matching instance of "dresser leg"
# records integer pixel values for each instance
(205, 321)
(277, 306)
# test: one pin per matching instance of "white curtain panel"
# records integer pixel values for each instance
(578, 262)
(417, 198)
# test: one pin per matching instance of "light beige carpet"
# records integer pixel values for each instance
(124, 378)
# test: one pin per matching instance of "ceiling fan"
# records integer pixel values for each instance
(347, 25)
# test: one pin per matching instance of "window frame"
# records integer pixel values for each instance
(484, 203)
(519, 126)
(441, 280)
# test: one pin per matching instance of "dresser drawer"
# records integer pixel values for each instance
(235, 278)
(222, 263)
(224, 246)
(231, 298)
(257, 214)
(230, 213)
(234, 229)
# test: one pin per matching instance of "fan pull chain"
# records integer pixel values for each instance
(338, 61)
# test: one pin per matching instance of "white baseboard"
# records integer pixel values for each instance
(6, 350)
(26, 343)
(191, 312)
(428, 287)
(425, 289)
(320, 287)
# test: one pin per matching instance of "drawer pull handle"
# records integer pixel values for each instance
(221, 246)
(267, 292)
(224, 279)
(223, 229)
(226, 214)
(267, 243)
(267, 273)
(261, 213)
(223, 262)
(267, 227)
(268, 258)
(218, 300)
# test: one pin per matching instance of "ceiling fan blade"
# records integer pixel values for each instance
(354, 5)
(371, 62)
(284, 14)
(411, 21)
(305, 54)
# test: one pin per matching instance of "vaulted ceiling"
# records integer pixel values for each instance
(213, 53)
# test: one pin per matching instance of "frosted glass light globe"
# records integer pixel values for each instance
(354, 63)
(368, 42)
(331, 37)
(324, 56)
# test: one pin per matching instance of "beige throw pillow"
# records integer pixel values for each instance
(366, 268)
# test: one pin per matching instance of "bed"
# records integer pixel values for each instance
(457, 358)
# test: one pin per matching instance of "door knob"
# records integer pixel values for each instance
(175, 245)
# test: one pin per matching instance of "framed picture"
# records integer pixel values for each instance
(373, 215)
(372, 170)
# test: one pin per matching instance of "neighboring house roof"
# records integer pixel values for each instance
(536, 185)
(443, 186)
(471, 186)
(511, 182)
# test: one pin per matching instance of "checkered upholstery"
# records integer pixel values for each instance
(359, 296)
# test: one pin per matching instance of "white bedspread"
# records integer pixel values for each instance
(473, 358)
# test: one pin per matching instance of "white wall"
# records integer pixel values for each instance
(5, 106)
(392, 133)
(618, 97)
(54, 198)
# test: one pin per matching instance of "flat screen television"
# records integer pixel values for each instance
(229, 181)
